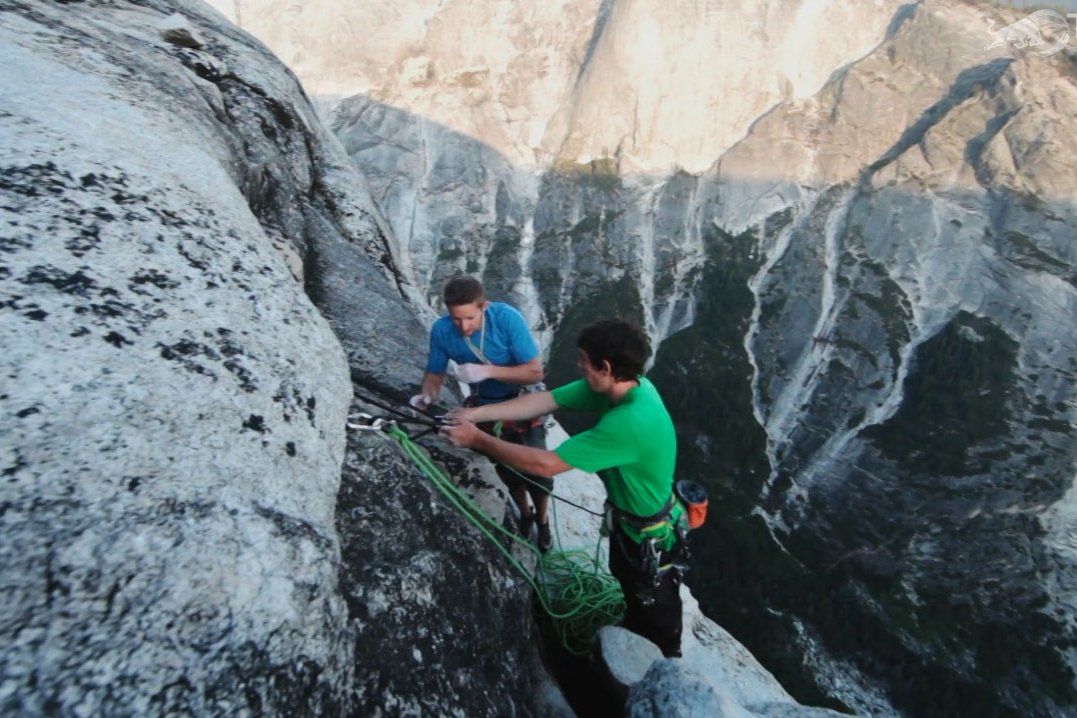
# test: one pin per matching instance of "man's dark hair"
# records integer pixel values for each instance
(463, 290)
(617, 341)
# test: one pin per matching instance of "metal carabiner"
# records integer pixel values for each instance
(370, 422)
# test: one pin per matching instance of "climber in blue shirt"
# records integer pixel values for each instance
(496, 356)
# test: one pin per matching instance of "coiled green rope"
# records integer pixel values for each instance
(575, 590)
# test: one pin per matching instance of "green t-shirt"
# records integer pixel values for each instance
(633, 449)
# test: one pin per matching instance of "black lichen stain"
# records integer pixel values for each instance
(150, 277)
(245, 378)
(255, 423)
(88, 238)
(75, 283)
(184, 352)
(234, 353)
(117, 340)
(20, 463)
(34, 180)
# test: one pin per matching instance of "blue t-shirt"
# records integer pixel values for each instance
(507, 343)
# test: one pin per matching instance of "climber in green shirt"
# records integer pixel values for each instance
(633, 449)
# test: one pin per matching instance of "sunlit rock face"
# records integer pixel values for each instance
(475, 129)
(658, 85)
(861, 274)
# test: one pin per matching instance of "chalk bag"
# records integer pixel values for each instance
(694, 498)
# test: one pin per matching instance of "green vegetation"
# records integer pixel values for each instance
(955, 397)
(1023, 252)
(894, 311)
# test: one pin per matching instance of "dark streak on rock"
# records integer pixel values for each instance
(106, 310)
(292, 527)
(10, 245)
(103, 214)
(191, 260)
(186, 348)
(120, 197)
(109, 599)
(167, 217)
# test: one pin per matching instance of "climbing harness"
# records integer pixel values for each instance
(648, 554)
(574, 589)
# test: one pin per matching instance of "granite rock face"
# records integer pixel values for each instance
(476, 130)
(667, 690)
(172, 401)
(194, 284)
(656, 85)
(173, 439)
(862, 287)
(189, 528)
(861, 278)
(441, 621)
(913, 363)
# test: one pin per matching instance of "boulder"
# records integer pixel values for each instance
(668, 690)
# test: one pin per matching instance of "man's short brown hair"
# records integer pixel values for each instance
(463, 290)
(617, 341)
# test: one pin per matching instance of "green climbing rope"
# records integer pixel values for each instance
(575, 590)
